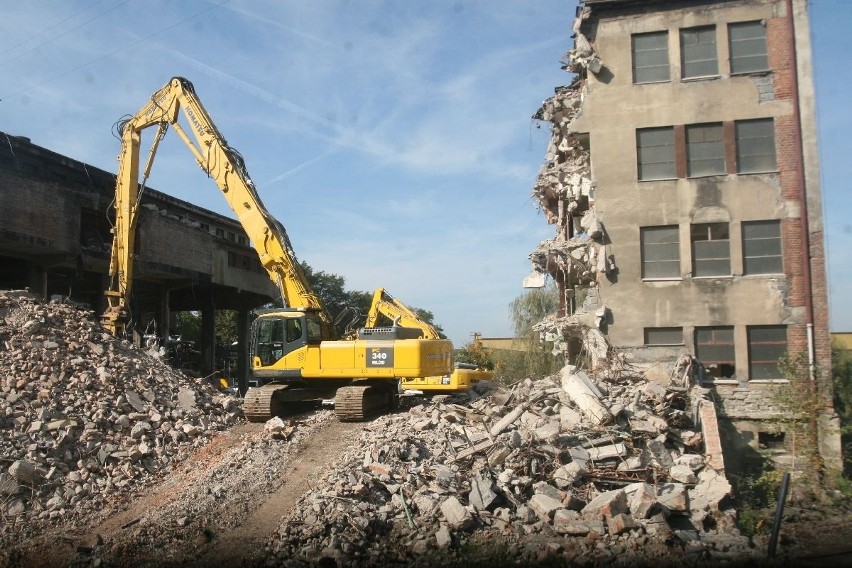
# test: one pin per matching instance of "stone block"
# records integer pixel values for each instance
(569, 474)
(544, 505)
(569, 523)
(673, 496)
(682, 474)
(482, 495)
(606, 505)
(620, 523)
(456, 515)
(642, 501)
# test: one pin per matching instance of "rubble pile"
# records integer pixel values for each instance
(591, 470)
(87, 417)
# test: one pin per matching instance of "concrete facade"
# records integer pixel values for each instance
(598, 189)
(55, 240)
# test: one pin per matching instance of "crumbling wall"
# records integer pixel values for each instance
(578, 255)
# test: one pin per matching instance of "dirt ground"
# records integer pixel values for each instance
(215, 509)
(219, 507)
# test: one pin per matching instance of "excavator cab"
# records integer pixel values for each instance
(277, 337)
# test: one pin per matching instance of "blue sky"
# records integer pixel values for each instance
(392, 139)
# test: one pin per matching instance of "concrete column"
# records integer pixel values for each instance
(243, 368)
(165, 317)
(208, 335)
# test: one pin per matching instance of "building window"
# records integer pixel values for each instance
(663, 336)
(205, 227)
(711, 249)
(748, 47)
(650, 57)
(755, 145)
(242, 240)
(762, 247)
(766, 344)
(705, 150)
(655, 152)
(698, 52)
(220, 232)
(660, 252)
(714, 347)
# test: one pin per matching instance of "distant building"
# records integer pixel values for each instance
(683, 182)
(56, 234)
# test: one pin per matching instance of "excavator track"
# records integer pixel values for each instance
(260, 403)
(358, 402)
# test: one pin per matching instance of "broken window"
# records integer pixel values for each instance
(711, 249)
(714, 347)
(755, 145)
(650, 57)
(762, 247)
(698, 52)
(660, 252)
(95, 230)
(655, 152)
(748, 47)
(705, 150)
(663, 336)
(766, 344)
(771, 440)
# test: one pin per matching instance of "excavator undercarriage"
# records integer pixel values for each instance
(352, 403)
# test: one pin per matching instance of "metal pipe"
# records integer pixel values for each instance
(779, 512)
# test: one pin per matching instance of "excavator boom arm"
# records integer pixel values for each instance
(227, 168)
(384, 304)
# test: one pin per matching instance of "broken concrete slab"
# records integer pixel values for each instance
(606, 505)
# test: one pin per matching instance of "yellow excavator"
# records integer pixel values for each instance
(294, 352)
(463, 376)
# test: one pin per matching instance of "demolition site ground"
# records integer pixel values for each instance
(111, 458)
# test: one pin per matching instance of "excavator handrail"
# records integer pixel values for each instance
(227, 168)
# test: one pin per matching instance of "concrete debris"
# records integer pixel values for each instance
(85, 416)
(506, 463)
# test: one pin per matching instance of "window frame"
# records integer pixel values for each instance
(739, 141)
(686, 49)
(736, 55)
(700, 259)
(707, 145)
(644, 250)
(765, 363)
(662, 329)
(746, 225)
(717, 344)
(643, 55)
(642, 165)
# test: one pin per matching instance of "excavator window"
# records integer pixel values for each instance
(270, 341)
(314, 330)
(294, 330)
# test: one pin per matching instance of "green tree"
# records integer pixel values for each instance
(537, 361)
(841, 374)
(188, 325)
(803, 400)
(226, 327)
(473, 352)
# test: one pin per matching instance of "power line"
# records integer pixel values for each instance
(44, 31)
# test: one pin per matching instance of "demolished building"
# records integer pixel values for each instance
(682, 178)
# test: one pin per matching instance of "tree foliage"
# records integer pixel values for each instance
(841, 374)
(473, 353)
(536, 360)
